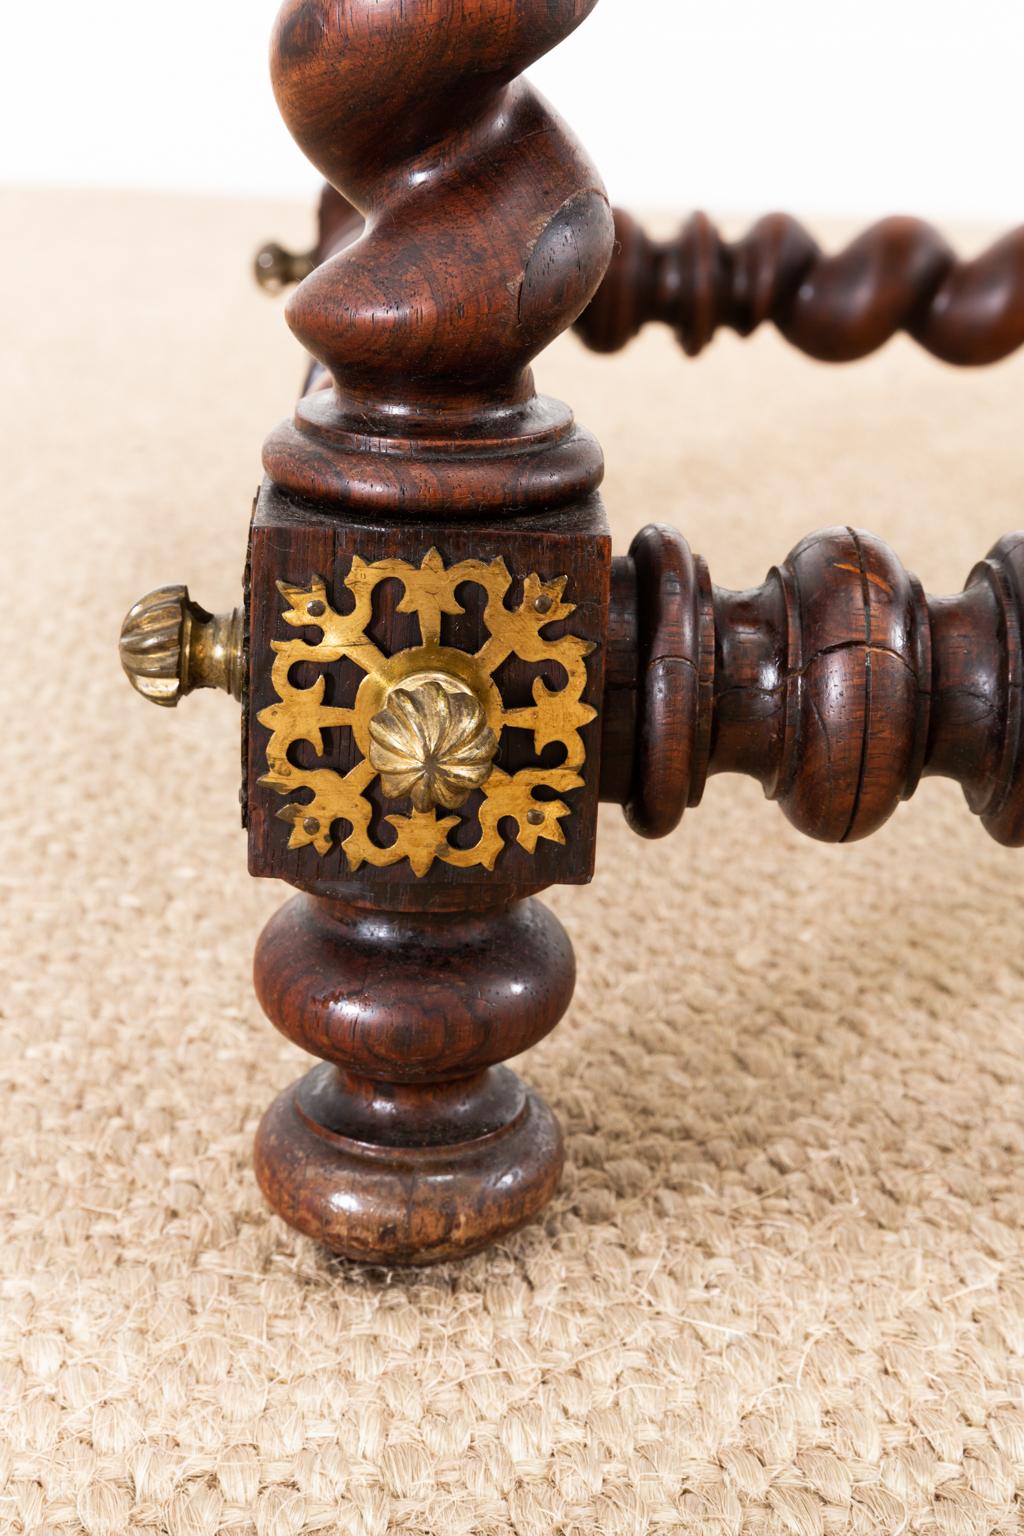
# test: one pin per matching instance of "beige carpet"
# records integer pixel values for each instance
(781, 1290)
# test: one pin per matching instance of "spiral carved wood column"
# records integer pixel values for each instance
(899, 275)
(487, 233)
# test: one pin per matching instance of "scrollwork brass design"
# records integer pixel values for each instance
(428, 734)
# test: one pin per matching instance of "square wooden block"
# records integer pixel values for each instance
(342, 611)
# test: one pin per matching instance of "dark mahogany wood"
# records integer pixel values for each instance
(837, 684)
(411, 1144)
(463, 231)
(487, 234)
(900, 275)
(675, 639)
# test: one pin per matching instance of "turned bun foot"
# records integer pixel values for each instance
(406, 1204)
(410, 1144)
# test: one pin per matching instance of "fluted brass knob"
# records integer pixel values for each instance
(170, 646)
(432, 743)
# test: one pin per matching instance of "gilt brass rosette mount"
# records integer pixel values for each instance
(428, 720)
(432, 743)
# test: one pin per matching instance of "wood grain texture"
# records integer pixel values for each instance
(675, 635)
(421, 996)
(899, 275)
(487, 233)
(411, 1144)
(837, 684)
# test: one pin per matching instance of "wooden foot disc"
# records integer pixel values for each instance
(398, 1204)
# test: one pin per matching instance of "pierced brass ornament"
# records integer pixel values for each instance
(170, 646)
(427, 720)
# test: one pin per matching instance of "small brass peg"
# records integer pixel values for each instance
(276, 268)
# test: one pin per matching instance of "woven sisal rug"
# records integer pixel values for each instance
(781, 1291)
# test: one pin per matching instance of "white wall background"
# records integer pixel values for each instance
(822, 106)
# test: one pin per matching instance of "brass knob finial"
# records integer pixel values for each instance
(170, 646)
(432, 743)
(275, 267)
